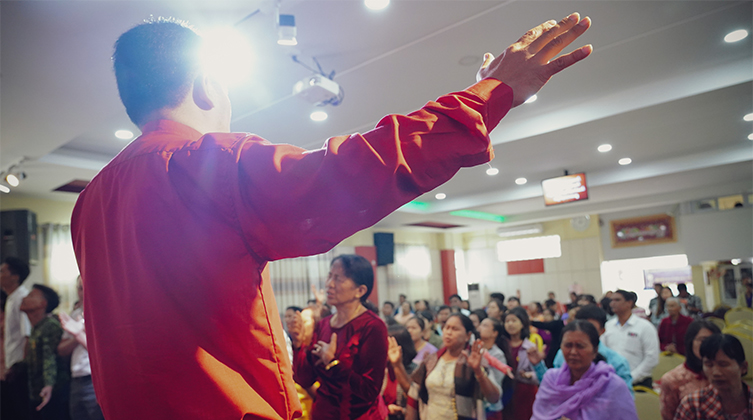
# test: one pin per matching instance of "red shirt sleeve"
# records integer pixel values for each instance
(323, 196)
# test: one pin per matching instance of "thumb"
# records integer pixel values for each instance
(333, 339)
(488, 58)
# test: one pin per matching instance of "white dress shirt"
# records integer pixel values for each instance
(636, 340)
(17, 327)
(80, 366)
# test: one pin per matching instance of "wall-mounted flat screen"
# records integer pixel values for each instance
(565, 189)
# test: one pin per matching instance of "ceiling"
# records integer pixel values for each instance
(662, 87)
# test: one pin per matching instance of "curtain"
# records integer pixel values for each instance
(292, 278)
(59, 266)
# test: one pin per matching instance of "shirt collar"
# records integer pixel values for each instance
(170, 126)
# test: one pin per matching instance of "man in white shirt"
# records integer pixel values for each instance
(632, 337)
(83, 402)
(15, 395)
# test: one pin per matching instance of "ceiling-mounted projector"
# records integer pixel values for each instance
(318, 90)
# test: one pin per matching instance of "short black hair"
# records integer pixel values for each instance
(419, 320)
(155, 64)
(443, 307)
(727, 343)
(691, 360)
(589, 298)
(427, 315)
(293, 308)
(498, 296)
(682, 287)
(513, 298)
(17, 267)
(387, 302)
(550, 302)
(592, 312)
(629, 296)
(310, 301)
(358, 269)
(480, 313)
(454, 296)
(50, 295)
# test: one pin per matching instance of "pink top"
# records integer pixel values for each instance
(675, 385)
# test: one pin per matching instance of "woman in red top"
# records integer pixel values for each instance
(348, 351)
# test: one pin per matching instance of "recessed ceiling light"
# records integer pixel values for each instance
(604, 148)
(124, 134)
(748, 117)
(521, 181)
(440, 196)
(4, 189)
(492, 171)
(750, 136)
(531, 99)
(625, 161)
(376, 4)
(737, 35)
(12, 180)
(318, 116)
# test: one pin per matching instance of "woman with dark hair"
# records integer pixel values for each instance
(495, 309)
(476, 316)
(585, 387)
(348, 351)
(517, 330)
(688, 377)
(452, 381)
(491, 333)
(400, 354)
(727, 397)
(405, 312)
(416, 327)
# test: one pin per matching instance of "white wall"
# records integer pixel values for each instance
(708, 236)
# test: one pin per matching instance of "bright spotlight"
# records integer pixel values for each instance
(226, 55)
(318, 116)
(604, 148)
(625, 161)
(737, 35)
(521, 181)
(440, 196)
(124, 134)
(12, 180)
(4, 189)
(376, 4)
(531, 99)
(492, 171)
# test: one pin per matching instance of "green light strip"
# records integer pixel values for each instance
(416, 206)
(473, 214)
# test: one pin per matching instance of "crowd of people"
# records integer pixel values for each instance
(415, 360)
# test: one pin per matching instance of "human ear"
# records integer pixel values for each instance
(202, 93)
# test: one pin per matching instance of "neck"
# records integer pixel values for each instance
(11, 289)
(623, 317)
(454, 352)
(515, 338)
(733, 395)
(674, 317)
(348, 311)
(576, 375)
(199, 120)
(35, 317)
(419, 344)
(488, 342)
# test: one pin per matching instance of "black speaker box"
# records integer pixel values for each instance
(19, 235)
(385, 248)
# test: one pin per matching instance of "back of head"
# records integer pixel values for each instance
(50, 295)
(592, 312)
(480, 314)
(358, 269)
(498, 296)
(427, 315)
(17, 267)
(155, 64)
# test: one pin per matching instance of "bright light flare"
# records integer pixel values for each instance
(521, 181)
(748, 117)
(625, 161)
(124, 134)
(735, 36)
(440, 196)
(376, 4)
(226, 56)
(4, 189)
(492, 171)
(531, 99)
(318, 116)
(604, 148)
(12, 180)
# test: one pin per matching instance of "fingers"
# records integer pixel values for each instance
(556, 45)
(534, 33)
(488, 58)
(568, 60)
(552, 31)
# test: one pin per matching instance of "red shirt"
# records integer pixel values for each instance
(172, 236)
(674, 333)
(351, 388)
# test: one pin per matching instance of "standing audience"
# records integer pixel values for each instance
(405, 313)
(688, 377)
(400, 353)
(517, 330)
(452, 381)
(632, 337)
(49, 375)
(691, 303)
(83, 402)
(416, 326)
(348, 352)
(14, 388)
(491, 333)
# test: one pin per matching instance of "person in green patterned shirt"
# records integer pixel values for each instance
(49, 377)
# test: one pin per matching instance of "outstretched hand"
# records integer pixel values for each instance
(474, 357)
(394, 351)
(530, 62)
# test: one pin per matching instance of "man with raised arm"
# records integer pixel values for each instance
(173, 234)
